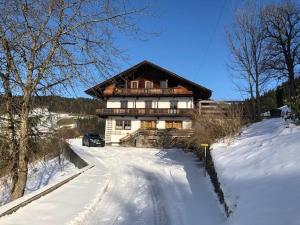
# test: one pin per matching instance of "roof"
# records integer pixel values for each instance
(199, 90)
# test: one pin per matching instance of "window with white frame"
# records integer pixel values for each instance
(127, 125)
(134, 84)
(123, 124)
(148, 84)
(119, 124)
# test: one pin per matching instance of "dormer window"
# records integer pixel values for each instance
(135, 84)
(164, 84)
(148, 84)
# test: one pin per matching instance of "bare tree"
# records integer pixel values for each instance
(51, 44)
(282, 26)
(9, 120)
(247, 45)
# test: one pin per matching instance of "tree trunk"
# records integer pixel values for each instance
(10, 120)
(22, 171)
(252, 100)
(292, 85)
(11, 130)
(258, 103)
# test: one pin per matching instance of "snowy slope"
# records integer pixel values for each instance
(128, 186)
(260, 174)
(40, 174)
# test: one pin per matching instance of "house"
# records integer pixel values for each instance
(146, 97)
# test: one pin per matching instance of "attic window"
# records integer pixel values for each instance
(135, 84)
(163, 84)
(148, 84)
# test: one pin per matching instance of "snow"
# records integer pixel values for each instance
(285, 109)
(40, 174)
(258, 171)
(259, 174)
(129, 186)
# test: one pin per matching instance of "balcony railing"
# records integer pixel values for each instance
(149, 92)
(143, 112)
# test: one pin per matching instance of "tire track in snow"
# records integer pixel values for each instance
(79, 220)
(145, 188)
(159, 211)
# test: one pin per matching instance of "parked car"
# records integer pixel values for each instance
(92, 140)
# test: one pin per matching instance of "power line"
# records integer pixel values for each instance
(212, 35)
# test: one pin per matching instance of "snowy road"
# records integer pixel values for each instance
(150, 186)
(128, 186)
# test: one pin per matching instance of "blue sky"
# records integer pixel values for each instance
(191, 42)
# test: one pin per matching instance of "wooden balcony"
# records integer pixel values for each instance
(144, 92)
(144, 112)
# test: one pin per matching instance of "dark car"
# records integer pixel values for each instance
(92, 140)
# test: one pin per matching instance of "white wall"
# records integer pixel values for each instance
(163, 102)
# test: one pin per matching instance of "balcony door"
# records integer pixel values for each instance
(124, 104)
(148, 104)
(148, 124)
(173, 106)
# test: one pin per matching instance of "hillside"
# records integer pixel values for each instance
(60, 104)
(259, 174)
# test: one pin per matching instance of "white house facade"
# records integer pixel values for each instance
(146, 97)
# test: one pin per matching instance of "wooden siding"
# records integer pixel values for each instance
(178, 91)
(143, 112)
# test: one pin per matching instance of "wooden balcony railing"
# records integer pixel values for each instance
(150, 92)
(143, 112)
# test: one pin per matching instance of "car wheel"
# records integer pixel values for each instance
(89, 144)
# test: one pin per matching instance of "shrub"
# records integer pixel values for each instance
(91, 124)
(66, 121)
(67, 133)
(208, 128)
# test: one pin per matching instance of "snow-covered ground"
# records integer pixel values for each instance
(129, 186)
(47, 121)
(260, 174)
(40, 174)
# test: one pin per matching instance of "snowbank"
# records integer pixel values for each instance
(260, 174)
(40, 174)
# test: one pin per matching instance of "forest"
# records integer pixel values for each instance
(61, 104)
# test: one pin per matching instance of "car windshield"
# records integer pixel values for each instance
(94, 136)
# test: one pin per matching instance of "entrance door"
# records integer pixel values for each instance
(148, 124)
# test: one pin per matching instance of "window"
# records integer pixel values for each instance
(123, 124)
(148, 124)
(119, 124)
(124, 104)
(173, 124)
(135, 84)
(148, 104)
(148, 84)
(163, 84)
(173, 104)
(127, 124)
